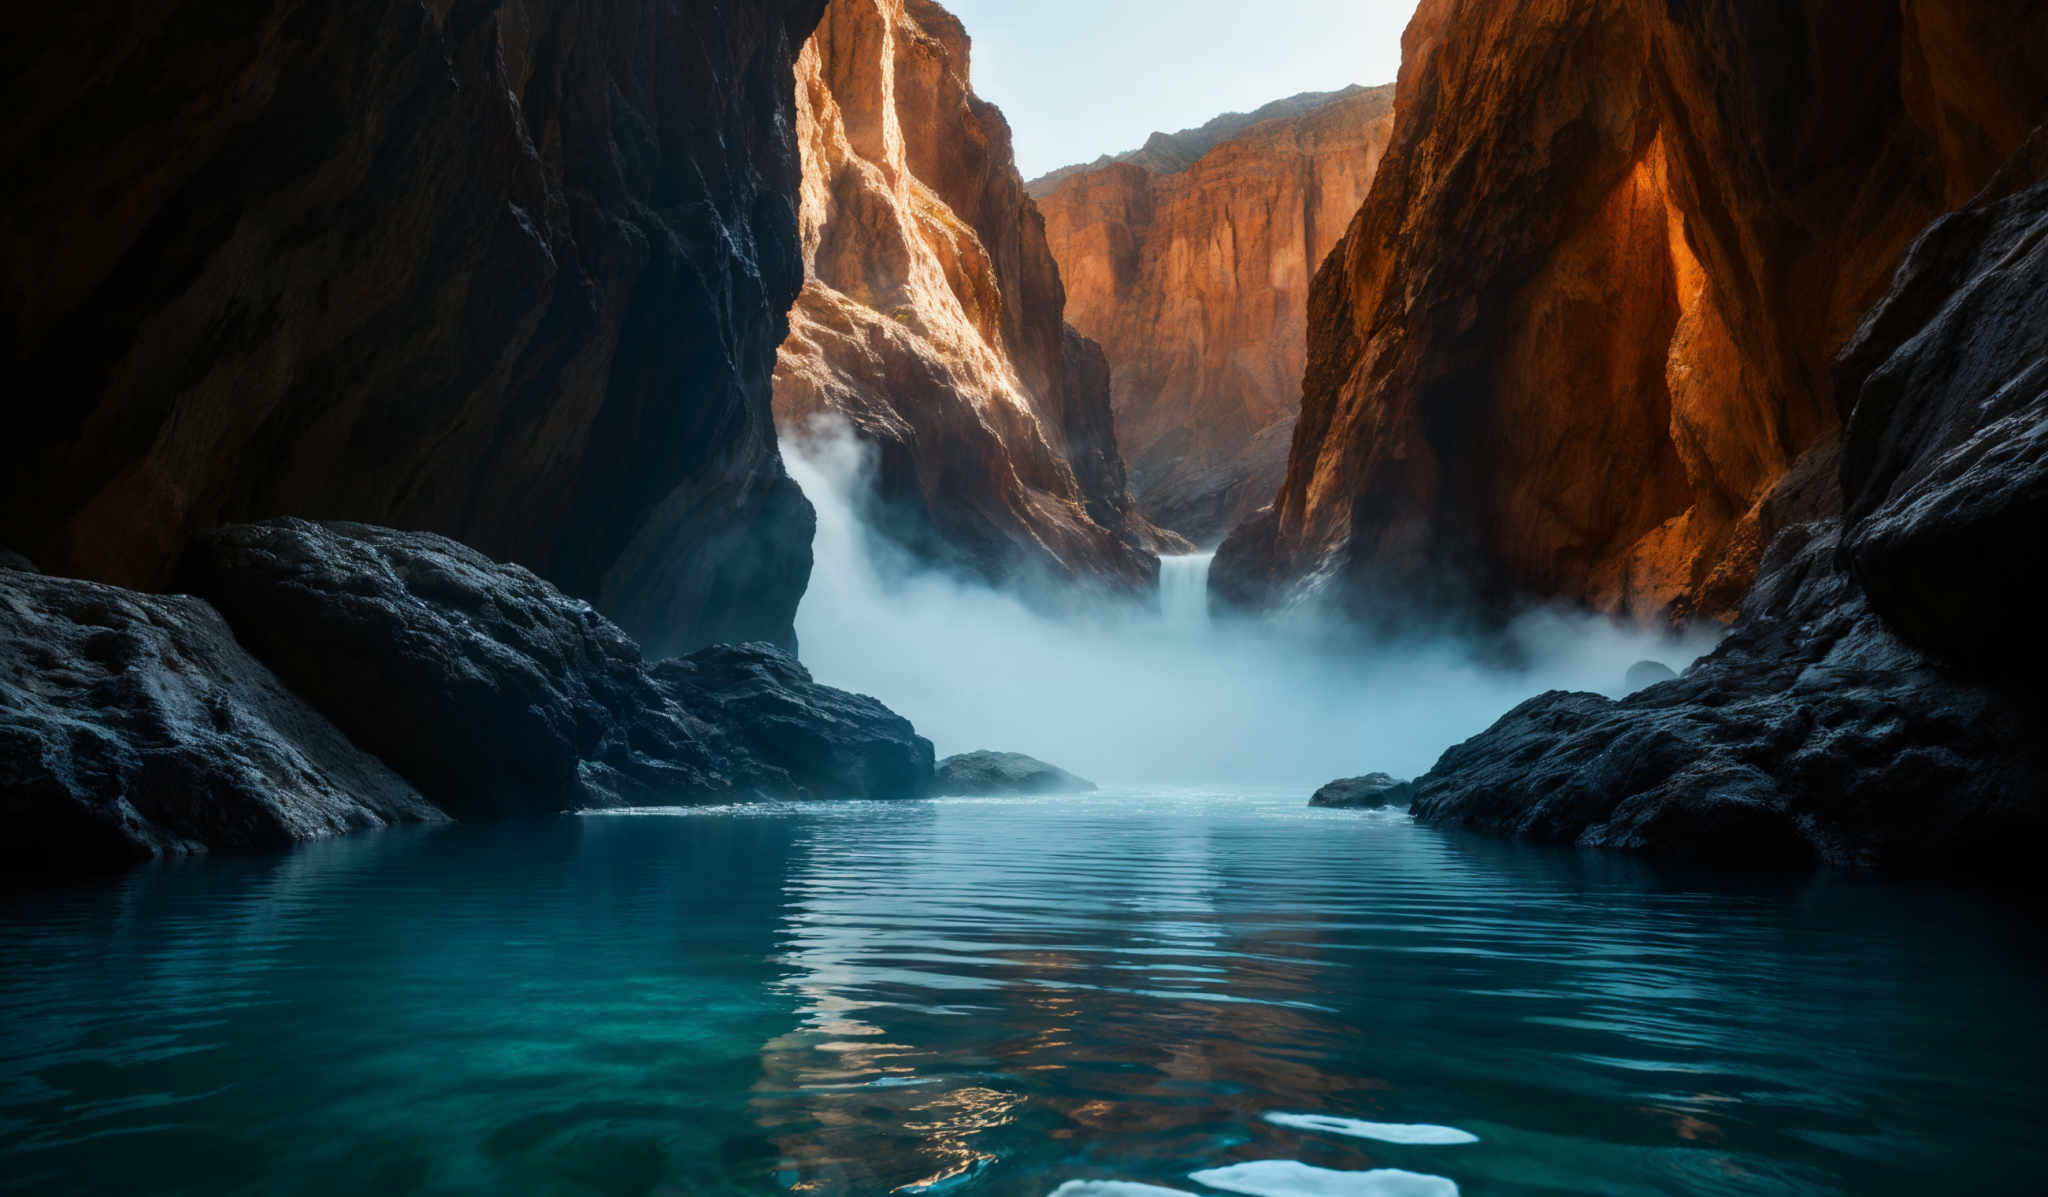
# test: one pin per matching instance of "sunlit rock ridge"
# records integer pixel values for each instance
(1585, 319)
(1190, 261)
(932, 316)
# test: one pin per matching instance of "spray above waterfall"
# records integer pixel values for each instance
(1128, 693)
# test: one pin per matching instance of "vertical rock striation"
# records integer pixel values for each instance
(1586, 318)
(932, 318)
(1190, 261)
(513, 272)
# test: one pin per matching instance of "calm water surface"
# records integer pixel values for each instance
(1001, 997)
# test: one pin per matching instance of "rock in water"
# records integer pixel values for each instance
(994, 774)
(1370, 792)
(1191, 265)
(515, 273)
(497, 694)
(134, 726)
(1644, 674)
(1814, 732)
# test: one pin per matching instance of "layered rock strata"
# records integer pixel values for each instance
(1878, 703)
(932, 320)
(1586, 318)
(1190, 262)
(512, 273)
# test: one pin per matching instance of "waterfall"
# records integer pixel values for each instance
(1184, 590)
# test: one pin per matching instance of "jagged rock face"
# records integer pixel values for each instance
(1585, 320)
(932, 316)
(515, 273)
(1194, 275)
(135, 725)
(1878, 703)
(496, 694)
(1169, 153)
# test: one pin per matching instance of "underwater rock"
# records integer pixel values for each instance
(991, 774)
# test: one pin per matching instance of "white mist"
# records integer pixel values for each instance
(1137, 697)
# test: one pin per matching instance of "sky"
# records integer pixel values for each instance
(1082, 78)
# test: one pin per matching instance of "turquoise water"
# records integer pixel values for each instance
(1003, 997)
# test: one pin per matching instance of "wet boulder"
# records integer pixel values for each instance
(497, 694)
(134, 726)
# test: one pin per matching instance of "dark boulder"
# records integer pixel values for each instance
(1370, 792)
(996, 774)
(497, 694)
(1644, 674)
(135, 725)
(9, 559)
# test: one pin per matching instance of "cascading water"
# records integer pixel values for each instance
(1184, 590)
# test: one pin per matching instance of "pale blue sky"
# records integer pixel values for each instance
(1080, 78)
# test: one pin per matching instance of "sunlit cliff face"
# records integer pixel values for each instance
(1129, 695)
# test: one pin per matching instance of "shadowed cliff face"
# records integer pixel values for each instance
(510, 272)
(932, 318)
(1195, 278)
(1585, 319)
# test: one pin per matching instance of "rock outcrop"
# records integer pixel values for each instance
(995, 774)
(1190, 261)
(932, 315)
(496, 694)
(1878, 703)
(513, 273)
(135, 725)
(1371, 792)
(1167, 153)
(1586, 318)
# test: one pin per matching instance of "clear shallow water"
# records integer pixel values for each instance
(1000, 998)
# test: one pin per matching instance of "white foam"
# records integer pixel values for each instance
(1419, 1133)
(1114, 1188)
(1291, 1178)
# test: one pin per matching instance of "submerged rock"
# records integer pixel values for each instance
(1644, 674)
(1370, 792)
(497, 694)
(994, 774)
(1815, 733)
(135, 725)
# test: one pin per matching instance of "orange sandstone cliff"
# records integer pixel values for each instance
(931, 318)
(1583, 323)
(1190, 261)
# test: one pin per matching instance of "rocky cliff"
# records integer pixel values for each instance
(1585, 320)
(1190, 262)
(1878, 703)
(932, 315)
(511, 272)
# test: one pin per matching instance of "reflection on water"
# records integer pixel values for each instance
(1002, 997)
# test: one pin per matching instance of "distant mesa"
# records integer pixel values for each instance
(999, 774)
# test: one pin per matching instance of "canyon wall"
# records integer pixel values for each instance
(1585, 319)
(513, 272)
(1190, 261)
(932, 315)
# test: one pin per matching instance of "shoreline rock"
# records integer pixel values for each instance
(1370, 792)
